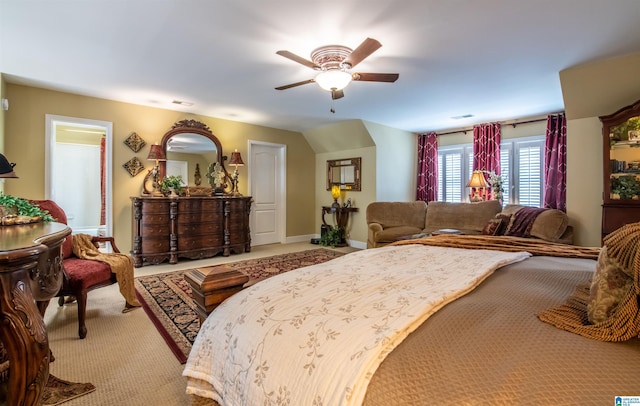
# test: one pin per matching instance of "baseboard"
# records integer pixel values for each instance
(307, 238)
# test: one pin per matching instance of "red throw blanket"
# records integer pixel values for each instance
(522, 221)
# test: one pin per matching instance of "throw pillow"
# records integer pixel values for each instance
(496, 225)
(609, 286)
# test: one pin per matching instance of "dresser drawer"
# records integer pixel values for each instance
(155, 245)
(198, 228)
(197, 242)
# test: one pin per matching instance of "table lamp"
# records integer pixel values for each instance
(156, 153)
(236, 160)
(476, 182)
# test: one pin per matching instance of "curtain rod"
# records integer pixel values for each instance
(514, 124)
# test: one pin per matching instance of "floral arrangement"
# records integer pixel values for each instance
(497, 185)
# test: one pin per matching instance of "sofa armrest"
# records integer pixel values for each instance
(373, 229)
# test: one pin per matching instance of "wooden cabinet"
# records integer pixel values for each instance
(169, 228)
(621, 168)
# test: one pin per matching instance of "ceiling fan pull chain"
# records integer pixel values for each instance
(331, 109)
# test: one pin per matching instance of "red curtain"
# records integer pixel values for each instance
(103, 181)
(427, 167)
(555, 163)
(486, 147)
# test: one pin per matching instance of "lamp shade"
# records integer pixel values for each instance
(6, 168)
(334, 79)
(477, 180)
(156, 152)
(236, 159)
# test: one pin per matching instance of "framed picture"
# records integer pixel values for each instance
(634, 135)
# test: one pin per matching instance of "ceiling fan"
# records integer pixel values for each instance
(335, 63)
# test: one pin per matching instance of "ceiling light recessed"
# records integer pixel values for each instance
(182, 103)
(462, 116)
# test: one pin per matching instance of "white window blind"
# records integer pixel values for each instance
(529, 166)
(521, 167)
(450, 175)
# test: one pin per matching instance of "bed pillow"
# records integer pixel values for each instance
(610, 283)
(497, 225)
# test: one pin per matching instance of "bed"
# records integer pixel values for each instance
(482, 344)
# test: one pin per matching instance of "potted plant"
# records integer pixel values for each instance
(627, 186)
(333, 237)
(16, 210)
(171, 185)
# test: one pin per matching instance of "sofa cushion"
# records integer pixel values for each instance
(468, 217)
(394, 214)
(549, 225)
(394, 233)
(497, 225)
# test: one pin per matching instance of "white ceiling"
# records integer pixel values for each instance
(494, 59)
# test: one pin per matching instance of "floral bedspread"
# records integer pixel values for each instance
(316, 335)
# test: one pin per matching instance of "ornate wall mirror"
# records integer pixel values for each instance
(344, 172)
(191, 144)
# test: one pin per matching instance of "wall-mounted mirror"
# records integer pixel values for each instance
(344, 172)
(187, 145)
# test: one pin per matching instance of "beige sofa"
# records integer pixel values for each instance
(390, 221)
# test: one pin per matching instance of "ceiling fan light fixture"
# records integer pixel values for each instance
(333, 79)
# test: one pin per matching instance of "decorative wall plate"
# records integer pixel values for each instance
(135, 142)
(134, 166)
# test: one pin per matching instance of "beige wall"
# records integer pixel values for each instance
(590, 91)
(25, 143)
(388, 167)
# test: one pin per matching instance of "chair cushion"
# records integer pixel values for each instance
(83, 274)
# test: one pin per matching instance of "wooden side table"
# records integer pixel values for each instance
(341, 218)
(30, 270)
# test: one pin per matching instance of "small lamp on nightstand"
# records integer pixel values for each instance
(478, 185)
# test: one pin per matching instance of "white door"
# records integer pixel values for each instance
(73, 172)
(267, 187)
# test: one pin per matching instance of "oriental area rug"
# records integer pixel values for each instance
(58, 391)
(166, 298)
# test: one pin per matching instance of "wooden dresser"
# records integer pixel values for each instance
(169, 228)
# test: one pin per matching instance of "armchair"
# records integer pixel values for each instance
(80, 275)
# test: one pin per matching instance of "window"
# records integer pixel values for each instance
(521, 166)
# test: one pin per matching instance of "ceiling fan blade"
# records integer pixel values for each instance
(289, 86)
(337, 94)
(375, 77)
(365, 49)
(298, 59)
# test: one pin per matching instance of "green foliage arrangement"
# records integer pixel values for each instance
(23, 207)
(332, 237)
(626, 186)
(171, 182)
